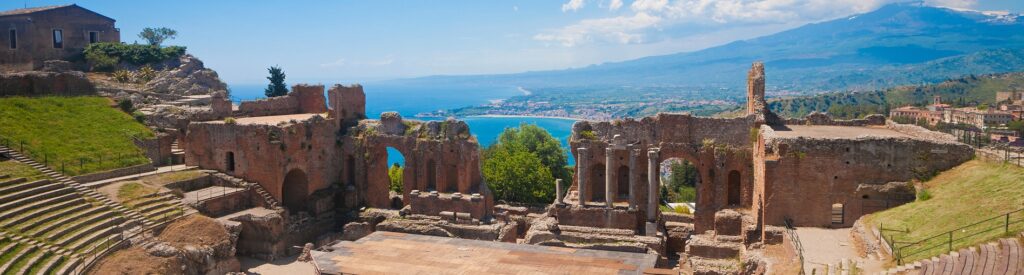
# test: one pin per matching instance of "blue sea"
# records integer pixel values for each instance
(412, 100)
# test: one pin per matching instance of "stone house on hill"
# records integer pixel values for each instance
(33, 35)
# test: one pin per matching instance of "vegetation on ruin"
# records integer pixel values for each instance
(523, 163)
(970, 193)
(970, 90)
(133, 190)
(588, 135)
(107, 56)
(87, 133)
(680, 186)
(276, 86)
(396, 174)
(16, 169)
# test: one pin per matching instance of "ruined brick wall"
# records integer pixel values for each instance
(803, 177)
(348, 104)
(266, 154)
(303, 99)
(816, 118)
(755, 89)
(718, 147)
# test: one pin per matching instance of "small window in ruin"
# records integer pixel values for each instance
(847, 149)
(837, 213)
(835, 177)
(229, 161)
(13, 35)
(58, 38)
(93, 37)
(865, 197)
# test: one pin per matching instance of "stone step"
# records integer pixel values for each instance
(22, 187)
(46, 213)
(68, 223)
(40, 188)
(100, 245)
(703, 246)
(51, 265)
(95, 239)
(36, 261)
(4, 176)
(157, 213)
(14, 208)
(9, 182)
(143, 204)
(22, 252)
(705, 266)
(70, 266)
(100, 222)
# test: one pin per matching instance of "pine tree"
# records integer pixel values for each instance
(276, 86)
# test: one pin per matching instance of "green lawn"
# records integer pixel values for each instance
(968, 194)
(72, 129)
(20, 170)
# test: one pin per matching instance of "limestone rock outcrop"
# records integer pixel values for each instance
(189, 78)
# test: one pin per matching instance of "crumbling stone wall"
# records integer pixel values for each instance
(802, 178)
(303, 99)
(37, 83)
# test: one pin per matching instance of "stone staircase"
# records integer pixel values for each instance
(159, 207)
(52, 225)
(1004, 256)
(268, 200)
(177, 153)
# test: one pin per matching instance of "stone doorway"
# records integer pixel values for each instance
(294, 190)
(735, 194)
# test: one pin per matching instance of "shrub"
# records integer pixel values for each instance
(109, 54)
(395, 173)
(126, 105)
(145, 74)
(923, 194)
(230, 120)
(588, 135)
(123, 76)
(683, 210)
(139, 116)
(101, 62)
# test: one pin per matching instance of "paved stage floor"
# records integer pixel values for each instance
(399, 253)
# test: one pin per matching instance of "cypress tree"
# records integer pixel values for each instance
(276, 86)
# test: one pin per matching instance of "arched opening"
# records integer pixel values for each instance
(396, 169)
(679, 180)
(623, 182)
(596, 182)
(294, 190)
(431, 175)
(734, 187)
(229, 161)
(451, 177)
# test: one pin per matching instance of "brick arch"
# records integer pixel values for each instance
(295, 190)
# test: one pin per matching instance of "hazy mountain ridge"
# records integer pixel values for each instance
(897, 44)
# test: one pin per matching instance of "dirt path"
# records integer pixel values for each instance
(825, 246)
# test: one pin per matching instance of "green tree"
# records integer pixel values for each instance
(395, 173)
(276, 86)
(681, 182)
(523, 164)
(157, 36)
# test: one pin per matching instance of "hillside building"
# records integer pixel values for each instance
(34, 35)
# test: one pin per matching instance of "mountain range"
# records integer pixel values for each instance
(897, 44)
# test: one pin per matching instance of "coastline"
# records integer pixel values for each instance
(524, 116)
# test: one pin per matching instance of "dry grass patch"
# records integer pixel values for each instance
(195, 230)
(135, 260)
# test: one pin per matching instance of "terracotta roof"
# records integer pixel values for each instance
(47, 8)
(32, 10)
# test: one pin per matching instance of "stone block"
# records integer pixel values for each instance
(728, 222)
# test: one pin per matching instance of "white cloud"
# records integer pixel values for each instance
(573, 5)
(619, 29)
(652, 15)
(614, 5)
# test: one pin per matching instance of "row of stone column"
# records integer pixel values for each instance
(582, 175)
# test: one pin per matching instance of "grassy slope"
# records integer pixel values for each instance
(19, 170)
(71, 128)
(972, 192)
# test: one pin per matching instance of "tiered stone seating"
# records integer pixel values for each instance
(51, 225)
(157, 207)
(1005, 256)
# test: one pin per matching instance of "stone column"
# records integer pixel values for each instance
(609, 180)
(582, 162)
(653, 175)
(558, 192)
(633, 153)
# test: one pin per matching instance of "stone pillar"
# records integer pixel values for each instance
(582, 162)
(558, 192)
(653, 175)
(609, 180)
(633, 153)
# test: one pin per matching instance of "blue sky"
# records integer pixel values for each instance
(353, 41)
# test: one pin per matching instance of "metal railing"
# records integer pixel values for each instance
(945, 242)
(76, 165)
(113, 244)
(790, 230)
